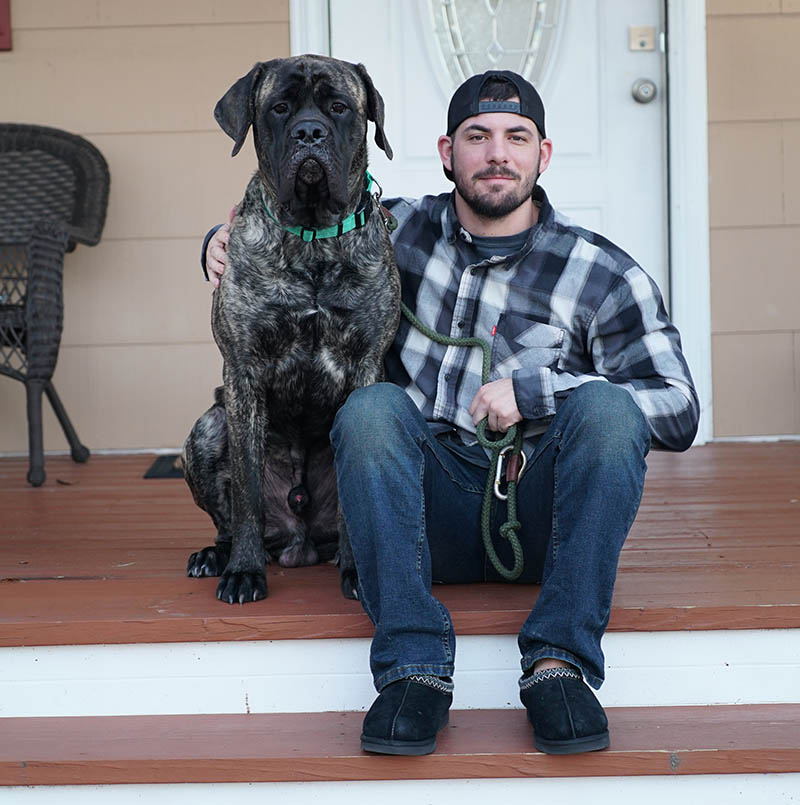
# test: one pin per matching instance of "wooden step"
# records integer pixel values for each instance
(325, 747)
(98, 555)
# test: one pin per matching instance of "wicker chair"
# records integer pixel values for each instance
(53, 194)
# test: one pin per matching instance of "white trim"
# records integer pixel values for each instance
(309, 27)
(690, 283)
(711, 789)
(727, 666)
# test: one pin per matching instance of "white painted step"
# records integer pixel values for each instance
(717, 789)
(643, 669)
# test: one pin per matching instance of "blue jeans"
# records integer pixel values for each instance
(412, 503)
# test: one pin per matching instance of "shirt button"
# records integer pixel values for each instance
(447, 377)
(473, 271)
(461, 323)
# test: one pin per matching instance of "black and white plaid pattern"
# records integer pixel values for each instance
(569, 308)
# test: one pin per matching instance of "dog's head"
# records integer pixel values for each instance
(309, 116)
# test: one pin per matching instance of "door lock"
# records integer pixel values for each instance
(643, 90)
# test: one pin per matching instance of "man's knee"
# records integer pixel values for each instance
(370, 415)
(607, 415)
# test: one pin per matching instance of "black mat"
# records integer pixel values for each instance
(167, 466)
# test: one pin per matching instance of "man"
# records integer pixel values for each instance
(584, 360)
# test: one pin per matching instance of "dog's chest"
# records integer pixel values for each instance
(302, 321)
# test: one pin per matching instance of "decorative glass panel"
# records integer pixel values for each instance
(473, 36)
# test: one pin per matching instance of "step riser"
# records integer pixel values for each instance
(644, 669)
(749, 789)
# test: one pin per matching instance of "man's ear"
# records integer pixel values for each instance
(375, 109)
(545, 154)
(234, 110)
(445, 146)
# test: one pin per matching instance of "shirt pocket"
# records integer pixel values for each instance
(521, 343)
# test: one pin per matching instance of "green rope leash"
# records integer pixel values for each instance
(512, 441)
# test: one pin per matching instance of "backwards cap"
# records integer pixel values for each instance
(466, 101)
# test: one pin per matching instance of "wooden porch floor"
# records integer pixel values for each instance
(98, 555)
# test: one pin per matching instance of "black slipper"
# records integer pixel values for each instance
(564, 712)
(406, 716)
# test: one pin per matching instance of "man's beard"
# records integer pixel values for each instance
(494, 204)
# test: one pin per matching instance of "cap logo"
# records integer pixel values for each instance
(498, 106)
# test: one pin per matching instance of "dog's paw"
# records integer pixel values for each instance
(210, 561)
(348, 580)
(243, 586)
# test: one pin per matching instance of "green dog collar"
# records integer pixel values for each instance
(354, 221)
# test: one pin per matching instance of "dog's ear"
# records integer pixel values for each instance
(374, 109)
(234, 110)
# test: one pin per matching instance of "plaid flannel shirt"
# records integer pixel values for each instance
(569, 308)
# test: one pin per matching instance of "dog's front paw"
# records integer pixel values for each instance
(348, 580)
(240, 587)
(210, 561)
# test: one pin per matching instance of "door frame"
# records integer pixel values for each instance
(687, 173)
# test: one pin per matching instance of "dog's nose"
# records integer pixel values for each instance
(309, 131)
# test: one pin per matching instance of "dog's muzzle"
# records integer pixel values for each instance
(310, 172)
(310, 131)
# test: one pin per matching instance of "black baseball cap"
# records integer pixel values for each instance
(466, 101)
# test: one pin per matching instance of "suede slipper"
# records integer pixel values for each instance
(564, 712)
(406, 716)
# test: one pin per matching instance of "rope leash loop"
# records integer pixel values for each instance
(509, 443)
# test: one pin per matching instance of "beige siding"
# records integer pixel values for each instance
(140, 80)
(754, 164)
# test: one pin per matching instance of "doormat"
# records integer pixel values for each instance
(166, 466)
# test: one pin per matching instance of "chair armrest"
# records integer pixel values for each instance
(44, 306)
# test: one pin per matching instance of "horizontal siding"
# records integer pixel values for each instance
(172, 185)
(754, 176)
(137, 79)
(27, 14)
(140, 80)
(124, 396)
(125, 292)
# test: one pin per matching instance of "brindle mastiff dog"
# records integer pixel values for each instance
(302, 317)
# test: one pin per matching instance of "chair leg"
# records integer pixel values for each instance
(36, 474)
(79, 451)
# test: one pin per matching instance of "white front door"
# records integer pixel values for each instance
(608, 169)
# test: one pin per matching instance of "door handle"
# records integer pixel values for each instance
(643, 90)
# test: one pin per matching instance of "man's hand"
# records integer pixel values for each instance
(496, 400)
(216, 251)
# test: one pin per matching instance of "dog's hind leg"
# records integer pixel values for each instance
(208, 473)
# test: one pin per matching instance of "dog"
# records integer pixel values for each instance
(304, 313)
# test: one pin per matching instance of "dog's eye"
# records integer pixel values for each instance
(280, 108)
(338, 108)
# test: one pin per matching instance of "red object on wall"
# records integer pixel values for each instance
(5, 24)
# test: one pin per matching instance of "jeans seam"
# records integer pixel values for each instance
(422, 536)
(554, 529)
(446, 632)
